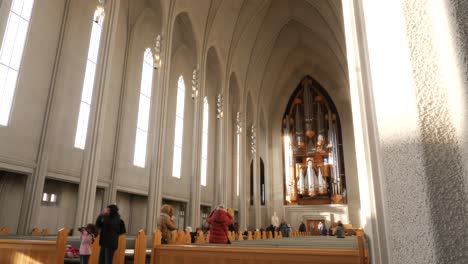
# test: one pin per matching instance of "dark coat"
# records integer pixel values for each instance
(219, 226)
(110, 229)
(302, 227)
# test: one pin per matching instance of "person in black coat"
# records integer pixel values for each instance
(110, 226)
(302, 227)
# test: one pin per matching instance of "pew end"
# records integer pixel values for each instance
(140, 248)
(4, 231)
(119, 255)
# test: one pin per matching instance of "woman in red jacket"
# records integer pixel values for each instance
(219, 225)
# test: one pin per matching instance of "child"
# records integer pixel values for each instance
(86, 238)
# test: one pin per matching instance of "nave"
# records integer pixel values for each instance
(299, 113)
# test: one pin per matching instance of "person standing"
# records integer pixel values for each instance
(87, 235)
(166, 223)
(340, 231)
(302, 227)
(110, 226)
(219, 221)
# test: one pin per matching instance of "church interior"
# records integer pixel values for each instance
(300, 111)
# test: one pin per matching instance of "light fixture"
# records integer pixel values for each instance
(238, 123)
(99, 14)
(220, 106)
(253, 137)
(195, 83)
(157, 52)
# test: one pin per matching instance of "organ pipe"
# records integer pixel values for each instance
(309, 116)
(322, 184)
(299, 126)
(311, 178)
(311, 147)
(320, 127)
(300, 181)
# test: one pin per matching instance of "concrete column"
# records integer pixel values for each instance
(243, 217)
(160, 118)
(256, 176)
(196, 154)
(35, 182)
(92, 152)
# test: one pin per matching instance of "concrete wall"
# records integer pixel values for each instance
(23, 131)
(12, 188)
(54, 216)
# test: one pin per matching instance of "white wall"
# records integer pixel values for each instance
(24, 128)
(182, 64)
(143, 35)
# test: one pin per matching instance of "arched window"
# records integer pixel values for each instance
(88, 83)
(204, 155)
(179, 127)
(238, 164)
(252, 183)
(139, 158)
(262, 182)
(11, 53)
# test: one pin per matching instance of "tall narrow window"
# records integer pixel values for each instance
(204, 155)
(11, 53)
(262, 182)
(139, 158)
(238, 164)
(179, 127)
(88, 83)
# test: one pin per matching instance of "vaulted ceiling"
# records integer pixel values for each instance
(267, 45)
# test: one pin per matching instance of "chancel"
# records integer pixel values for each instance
(329, 131)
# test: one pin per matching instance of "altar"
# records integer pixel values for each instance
(327, 213)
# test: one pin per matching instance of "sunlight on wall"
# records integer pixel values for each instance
(449, 63)
(354, 71)
(395, 99)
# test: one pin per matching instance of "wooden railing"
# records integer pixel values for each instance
(34, 251)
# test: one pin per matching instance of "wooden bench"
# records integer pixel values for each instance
(4, 232)
(264, 252)
(34, 251)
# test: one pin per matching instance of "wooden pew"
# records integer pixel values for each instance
(157, 242)
(4, 231)
(240, 236)
(94, 257)
(200, 238)
(34, 251)
(140, 248)
(119, 255)
(36, 232)
(173, 254)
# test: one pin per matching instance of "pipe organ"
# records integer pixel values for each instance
(312, 149)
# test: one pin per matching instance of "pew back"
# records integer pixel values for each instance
(94, 257)
(172, 254)
(34, 251)
(119, 255)
(140, 248)
(4, 231)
